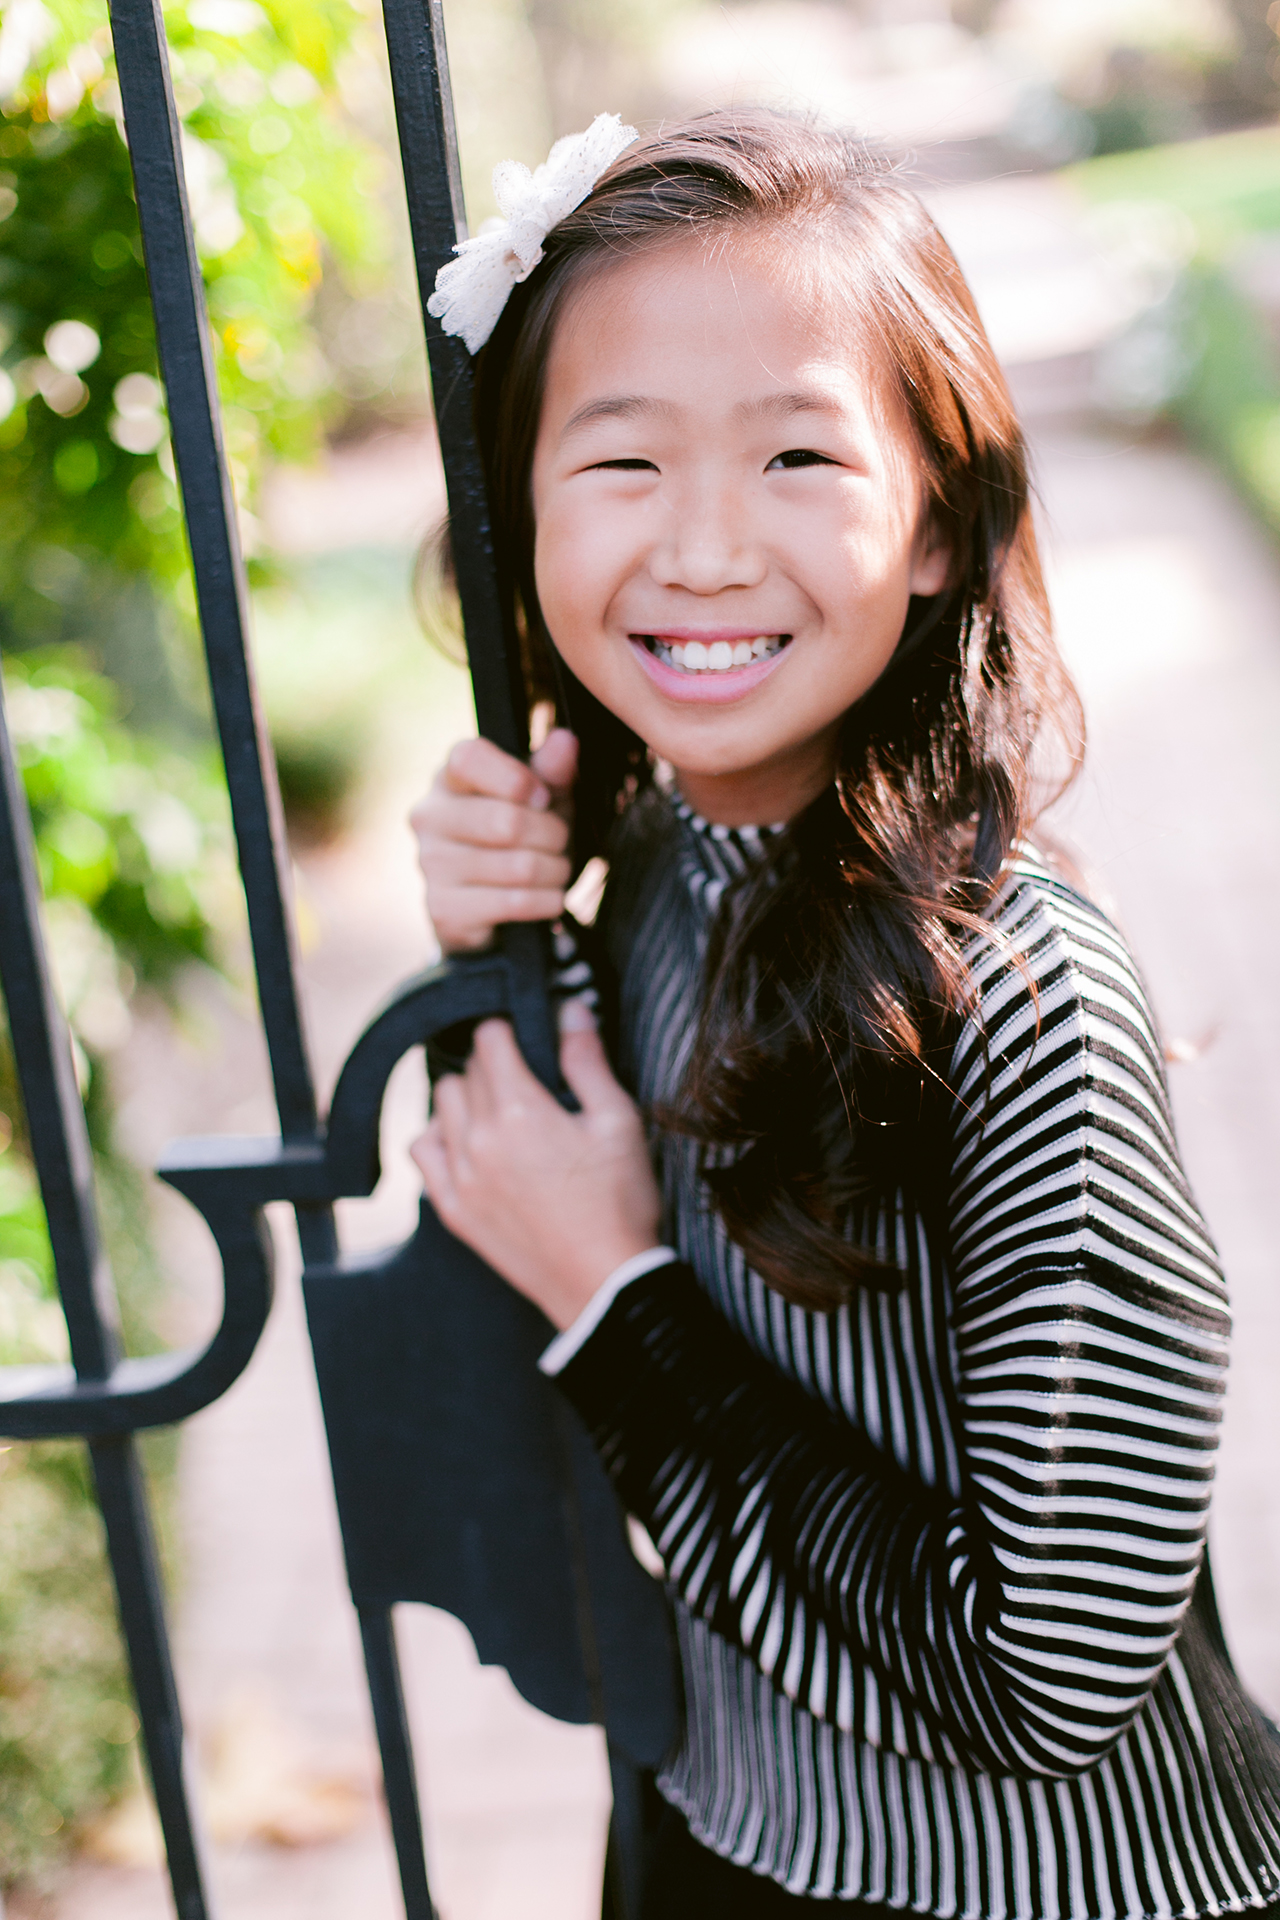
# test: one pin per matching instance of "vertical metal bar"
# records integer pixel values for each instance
(437, 218)
(433, 187)
(135, 1569)
(46, 1071)
(60, 1145)
(628, 1842)
(382, 1665)
(186, 361)
(624, 1852)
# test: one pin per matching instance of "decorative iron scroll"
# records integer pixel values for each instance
(461, 1479)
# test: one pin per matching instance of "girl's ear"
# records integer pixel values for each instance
(934, 560)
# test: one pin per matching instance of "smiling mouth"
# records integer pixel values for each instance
(720, 656)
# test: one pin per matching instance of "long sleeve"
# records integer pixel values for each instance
(1025, 1617)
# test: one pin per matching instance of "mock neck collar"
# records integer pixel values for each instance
(716, 855)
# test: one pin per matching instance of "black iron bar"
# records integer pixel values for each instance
(186, 362)
(60, 1147)
(437, 219)
(626, 1846)
(377, 1633)
(140, 1595)
(46, 1072)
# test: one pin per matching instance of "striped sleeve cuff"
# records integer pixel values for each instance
(579, 1331)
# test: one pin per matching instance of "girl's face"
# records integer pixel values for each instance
(729, 505)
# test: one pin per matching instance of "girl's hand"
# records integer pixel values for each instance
(492, 835)
(554, 1201)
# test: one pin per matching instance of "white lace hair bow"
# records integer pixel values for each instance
(472, 290)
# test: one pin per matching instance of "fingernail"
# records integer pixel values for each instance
(576, 1017)
(540, 800)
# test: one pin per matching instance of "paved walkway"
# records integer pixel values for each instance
(1169, 605)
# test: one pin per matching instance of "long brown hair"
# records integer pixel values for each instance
(836, 972)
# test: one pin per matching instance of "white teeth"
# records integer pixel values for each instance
(694, 656)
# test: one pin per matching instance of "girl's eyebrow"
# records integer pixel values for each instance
(619, 406)
(786, 404)
(629, 406)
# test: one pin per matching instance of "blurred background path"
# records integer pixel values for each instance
(1137, 316)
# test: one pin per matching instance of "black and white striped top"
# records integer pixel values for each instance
(933, 1555)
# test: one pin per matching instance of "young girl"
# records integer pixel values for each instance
(882, 1293)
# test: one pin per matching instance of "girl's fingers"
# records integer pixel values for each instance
(492, 836)
(585, 1064)
(483, 1096)
(467, 916)
(481, 822)
(477, 766)
(521, 867)
(432, 1162)
(556, 762)
(500, 1066)
(499, 1063)
(423, 1148)
(451, 1123)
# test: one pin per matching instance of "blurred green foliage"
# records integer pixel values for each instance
(1232, 402)
(67, 1723)
(133, 846)
(131, 831)
(338, 710)
(284, 187)
(1225, 321)
(65, 1719)
(1228, 185)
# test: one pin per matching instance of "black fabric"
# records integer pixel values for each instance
(689, 1882)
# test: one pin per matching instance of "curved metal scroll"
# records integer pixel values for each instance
(452, 1456)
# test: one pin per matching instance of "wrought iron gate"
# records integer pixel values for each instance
(461, 1479)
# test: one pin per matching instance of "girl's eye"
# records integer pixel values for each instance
(625, 466)
(798, 457)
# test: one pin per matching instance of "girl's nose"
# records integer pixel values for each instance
(708, 543)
